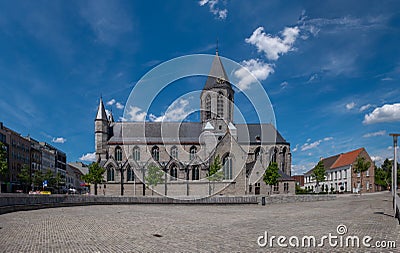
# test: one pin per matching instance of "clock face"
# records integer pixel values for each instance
(220, 80)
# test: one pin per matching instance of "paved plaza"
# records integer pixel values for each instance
(198, 228)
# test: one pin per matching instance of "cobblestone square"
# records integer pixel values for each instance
(197, 228)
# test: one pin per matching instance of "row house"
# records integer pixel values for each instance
(340, 176)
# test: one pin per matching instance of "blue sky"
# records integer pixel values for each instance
(331, 68)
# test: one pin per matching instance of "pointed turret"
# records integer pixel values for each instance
(217, 78)
(111, 117)
(101, 111)
(101, 132)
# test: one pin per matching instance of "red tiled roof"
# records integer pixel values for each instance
(346, 158)
(339, 160)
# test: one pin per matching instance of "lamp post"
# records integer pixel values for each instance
(121, 169)
(394, 173)
(164, 168)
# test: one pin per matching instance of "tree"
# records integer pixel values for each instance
(25, 177)
(37, 179)
(318, 174)
(215, 173)
(361, 166)
(154, 176)
(271, 175)
(382, 177)
(95, 175)
(3, 161)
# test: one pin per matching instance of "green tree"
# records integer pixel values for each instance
(95, 175)
(3, 161)
(382, 177)
(37, 179)
(318, 174)
(154, 176)
(271, 175)
(361, 166)
(215, 173)
(25, 177)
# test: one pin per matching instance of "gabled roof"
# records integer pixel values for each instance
(101, 111)
(347, 158)
(217, 78)
(339, 160)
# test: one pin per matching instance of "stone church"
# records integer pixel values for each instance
(184, 151)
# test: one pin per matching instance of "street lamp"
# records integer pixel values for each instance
(394, 173)
(164, 168)
(121, 168)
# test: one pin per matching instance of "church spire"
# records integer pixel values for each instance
(217, 78)
(101, 111)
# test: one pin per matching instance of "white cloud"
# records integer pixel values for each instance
(387, 79)
(111, 102)
(177, 111)
(214, 9)
(119, 105)
(379, 133)
(284, 84)
(365, 107)
(274, 47)
(59, 140)
(350, 106)
(307, 146)
(313, 78)
(88, 157)
(295, 148)
(386, 113)
(299, 169)
(377, 158)
(257, 68)
(135, 114)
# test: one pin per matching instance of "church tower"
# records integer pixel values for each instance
(217, 98)
(101, 132)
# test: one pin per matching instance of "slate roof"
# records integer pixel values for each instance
(187, 132)
(101, 112)
(217, 71)
(248, 133)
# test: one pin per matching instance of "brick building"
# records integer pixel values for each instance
(340, 175)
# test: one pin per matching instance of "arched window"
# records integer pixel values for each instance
(174, 152)
(110, 174)
(173, 172)
(193, 151)
(208, 107)
(227, 166)
(257, 153)
(274, 155)
(230, 104)
(284, 151)
(118, 154)
(130, 174)
(220, 105)
(195, 173)
(155, 152)
(136, 153)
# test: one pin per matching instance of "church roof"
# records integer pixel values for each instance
(101, 111)
(187, 132)
(259, 134)
(217, 78)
